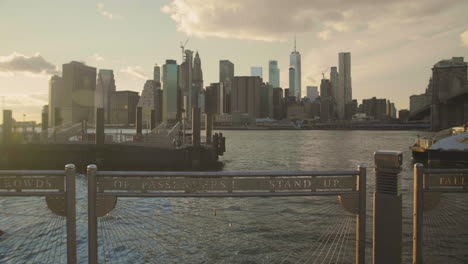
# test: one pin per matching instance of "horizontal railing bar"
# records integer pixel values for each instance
(446, 190)
(30, 193)
(32, 173)
(222, 174)
(428, 172)
(225, 194)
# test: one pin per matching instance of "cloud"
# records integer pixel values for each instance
(324, 35)
(271, 20)
(97, 57)
(464, 38)
(107, 14)
(33, 65)
(135, 71)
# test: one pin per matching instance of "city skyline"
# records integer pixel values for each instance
(24, 75)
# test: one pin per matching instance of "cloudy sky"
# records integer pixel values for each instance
(394, 43)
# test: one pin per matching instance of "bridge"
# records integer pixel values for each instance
(449, 103)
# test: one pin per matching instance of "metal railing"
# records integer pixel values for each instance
(57, 186)
(104, 187)
(427, 182)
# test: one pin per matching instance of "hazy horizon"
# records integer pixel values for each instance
(393, 44)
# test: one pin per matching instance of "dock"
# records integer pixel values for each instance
(165, 147)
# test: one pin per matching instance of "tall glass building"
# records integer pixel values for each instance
(273, 74)
(295, 62)
(170, 89)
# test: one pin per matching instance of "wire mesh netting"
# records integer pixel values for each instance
(30, 232)
(227, 230)
(445, 228)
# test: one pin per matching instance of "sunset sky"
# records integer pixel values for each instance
(393, 43)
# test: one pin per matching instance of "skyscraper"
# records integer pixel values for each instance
(151, 99)
(157, 73)
(326, 101)
(295, 62)
(334, 79)
(216, 98)
(344, 93)
(226, 70)
(55, 97)
(273, 74)
(266, 100)
(79, 83)
(197, 80)
(185, 82)
(245, 95)
(256, 71)
(170, 90)
(105, 87)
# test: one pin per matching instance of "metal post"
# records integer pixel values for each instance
(418, 213)
(361, 216)
(139, 121)
(196, 129)
(44, 125)
(71, 213)
(92, 218)
(7, 125)
(387, 235)
(208, 127)
(100, 136)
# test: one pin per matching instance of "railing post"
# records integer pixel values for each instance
(7, 125)
(71, 213)
(138, 120)
(208, 126)
(92, 218)
(418, 213)
(196, 128)
(387, 236)
(361, 216)
(100, 134)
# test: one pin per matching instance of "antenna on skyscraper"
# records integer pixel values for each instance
(294, 42)
(182, 46)
(325, 71)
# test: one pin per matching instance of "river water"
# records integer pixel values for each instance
(233, 230)
(332, 150)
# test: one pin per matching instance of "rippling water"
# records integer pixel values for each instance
(248, 230)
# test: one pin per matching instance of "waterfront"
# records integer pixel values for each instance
(327, 150)
(233, 230)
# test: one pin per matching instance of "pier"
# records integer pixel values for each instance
(164, 147)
